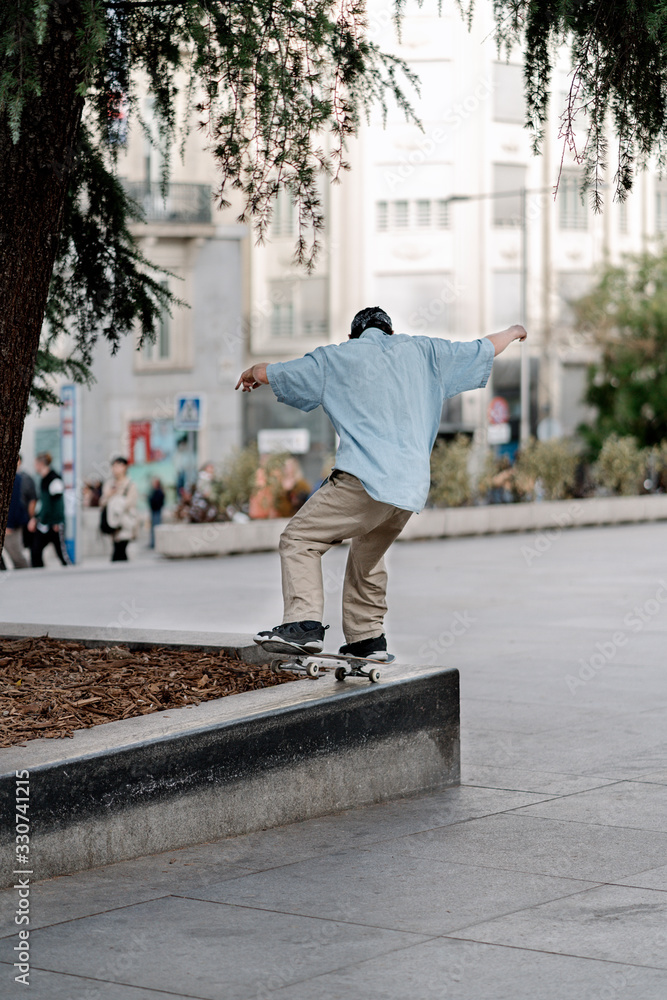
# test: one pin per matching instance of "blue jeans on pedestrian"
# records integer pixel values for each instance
(156, 518)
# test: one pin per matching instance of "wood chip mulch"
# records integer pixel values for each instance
(49, 687)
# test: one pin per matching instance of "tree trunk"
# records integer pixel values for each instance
(33, 178)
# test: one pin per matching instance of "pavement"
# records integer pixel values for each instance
(543, 877)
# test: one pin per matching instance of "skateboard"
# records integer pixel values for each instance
(293, 658)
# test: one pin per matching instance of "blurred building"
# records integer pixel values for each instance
(170, 405)
(423, 225)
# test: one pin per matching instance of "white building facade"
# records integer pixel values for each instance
(428, 224)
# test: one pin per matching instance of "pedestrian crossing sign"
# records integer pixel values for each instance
(189, 408)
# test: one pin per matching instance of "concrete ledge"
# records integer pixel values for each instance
(227, 767)
(187, 540)
(183, 541)
(495, 518)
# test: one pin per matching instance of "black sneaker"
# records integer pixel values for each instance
(308, 635)
(369, 649)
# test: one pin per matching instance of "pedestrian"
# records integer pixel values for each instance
(29, 499)
(119, 501)
(17, 520)
(295, 490)
(156, 503)
(47, 527)
(383, 393)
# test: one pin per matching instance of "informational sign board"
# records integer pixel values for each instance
(189, 411)
(295, 440)
(69, 446)
(498, 410)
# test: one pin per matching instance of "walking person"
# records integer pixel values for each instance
(47, 527)
(120, 498)
(156, 503)
(29, 499)
(17, 520)
(383, 393)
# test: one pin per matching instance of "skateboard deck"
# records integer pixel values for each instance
(293, 658)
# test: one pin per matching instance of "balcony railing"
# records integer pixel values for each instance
(182, 202)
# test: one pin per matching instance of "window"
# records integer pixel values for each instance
(282, 309)
(506, 299)
(573, 211)
(623, 218)
(508, 96)
(421, 214)
(401, 214)
(300, 308)
(442, 214)
(282, 221)
(508, 181)
(314, 307)
(159, 349)
(173, 346)
(661, 205)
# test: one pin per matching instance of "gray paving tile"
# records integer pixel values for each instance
(386, 889)
(462, 970)
(609, 922)
(516, 842)
(70, 896)
(634, 804)
(531, 716)
(655, 777)
(203, 949)
(362, 827)
(56, 986)
(613, 752)
(525, 780)
(653, 878)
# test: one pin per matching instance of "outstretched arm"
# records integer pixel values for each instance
(503, 339)
(253, 377)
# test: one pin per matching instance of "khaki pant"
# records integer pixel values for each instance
(14, 548)
(340, 509)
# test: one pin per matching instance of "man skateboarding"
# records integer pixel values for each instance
(383, 393)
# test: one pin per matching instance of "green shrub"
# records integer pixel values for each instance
(237, 478)
(450, 479)
(553, 463)
(621, 466)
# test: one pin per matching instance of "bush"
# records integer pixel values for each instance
(621, 466)
(238, 478)
(553, 463)
(450, 479)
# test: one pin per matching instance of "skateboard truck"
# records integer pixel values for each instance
(293, 658)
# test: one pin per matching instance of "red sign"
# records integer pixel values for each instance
(498, 410)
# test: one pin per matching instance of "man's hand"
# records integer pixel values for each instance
(502, 340)
(518, 331)
(253, 377)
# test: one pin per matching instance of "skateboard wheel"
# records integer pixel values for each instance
(374, 675)
(341, 673)
(276, 666)
(313, 669)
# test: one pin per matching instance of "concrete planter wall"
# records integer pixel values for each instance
(226, 767)
(188, 540)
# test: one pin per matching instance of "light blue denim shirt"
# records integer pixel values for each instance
(384, 396)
